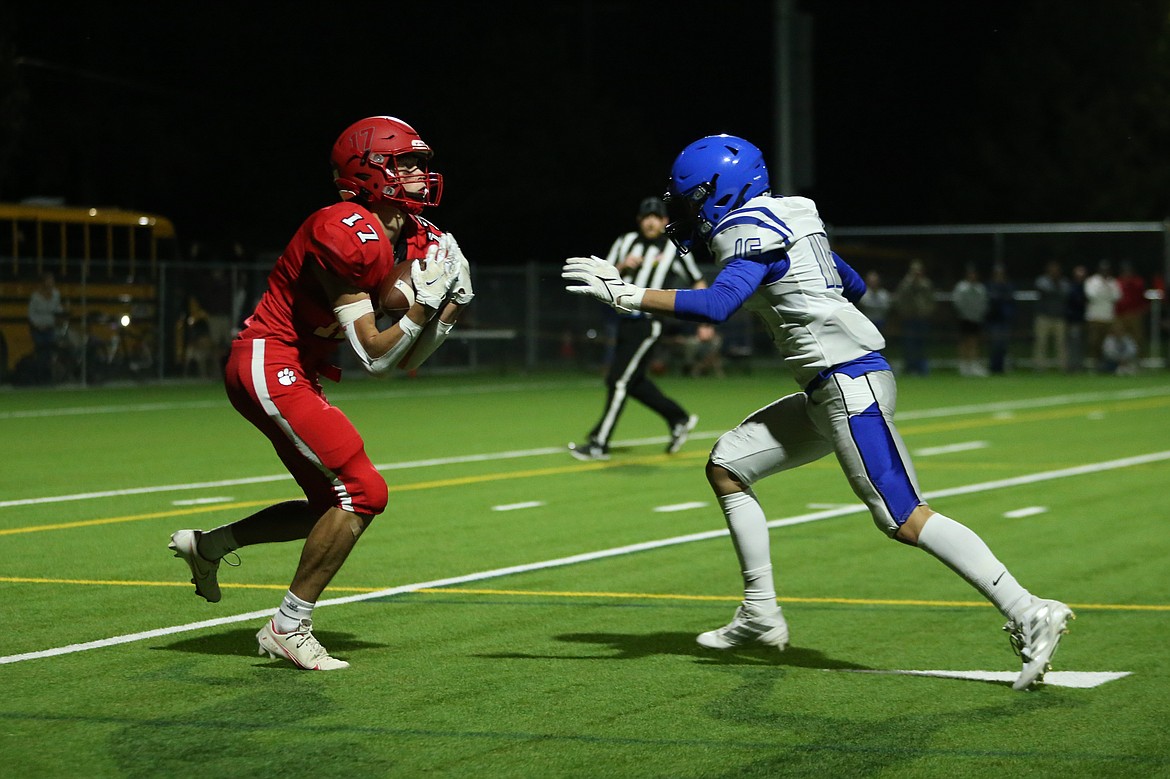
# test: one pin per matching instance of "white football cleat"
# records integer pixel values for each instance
(1035, 638)
(204, 572)
(300, 647)
(750, 625)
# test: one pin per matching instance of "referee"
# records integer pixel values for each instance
(645, 257)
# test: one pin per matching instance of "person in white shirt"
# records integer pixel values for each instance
(970, 300)
(1102, 291)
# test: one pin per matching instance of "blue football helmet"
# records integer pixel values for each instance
(710, 177)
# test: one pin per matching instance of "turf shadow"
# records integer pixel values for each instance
(242, 641)
(635, 646)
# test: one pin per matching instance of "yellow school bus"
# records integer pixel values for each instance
(105, 262)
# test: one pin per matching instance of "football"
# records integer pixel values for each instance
(396, 292)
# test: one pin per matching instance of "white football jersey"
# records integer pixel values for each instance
(802, 305)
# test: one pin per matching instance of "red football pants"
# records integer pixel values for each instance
(316, 442)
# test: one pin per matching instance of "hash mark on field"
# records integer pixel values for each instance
(951, 448)
(1029, 511)
(695, 504)
(531, 504)
(201, 501)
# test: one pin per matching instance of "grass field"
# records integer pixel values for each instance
(517, 613)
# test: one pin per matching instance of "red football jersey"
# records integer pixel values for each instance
(348, 241)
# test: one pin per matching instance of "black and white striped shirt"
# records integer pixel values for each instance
(661, 262)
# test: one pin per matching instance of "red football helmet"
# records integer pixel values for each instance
(365, 165)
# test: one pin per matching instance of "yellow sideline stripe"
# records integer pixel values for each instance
(586, 594)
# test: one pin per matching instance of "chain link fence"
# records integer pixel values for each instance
(175, 320)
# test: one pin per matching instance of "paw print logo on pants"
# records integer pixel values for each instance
(286, 376)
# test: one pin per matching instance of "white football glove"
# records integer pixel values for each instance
(432, 283)
(461, 293)
(598, 279)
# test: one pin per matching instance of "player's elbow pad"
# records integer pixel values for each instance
(430, 340)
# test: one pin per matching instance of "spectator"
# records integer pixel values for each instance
(1132, 307)
(1119, 351)
(1001, 313)
(704, 351)
(1074, 320)
(1049, 328)
(46, 314)
(970, 300)
(914, 300)
(214, 291)
(876, 301)
(1101, 295)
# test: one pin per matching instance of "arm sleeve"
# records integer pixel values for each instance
(376, 366)
(432, 338)
(851, 281)
(734, 284)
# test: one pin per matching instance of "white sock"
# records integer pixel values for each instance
(749, 535)
(964, 552)
(292, 610)
(214, 544)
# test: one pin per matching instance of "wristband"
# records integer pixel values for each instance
(410, 328)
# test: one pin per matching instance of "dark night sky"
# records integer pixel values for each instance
(550, 120)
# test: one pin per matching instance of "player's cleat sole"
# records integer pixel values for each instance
(204, 573)
(1036, 637)
(300, 647)
(589, 451)
(750, 626)
(679, 433)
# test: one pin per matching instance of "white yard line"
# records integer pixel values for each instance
(1055, 400)
(987, 486)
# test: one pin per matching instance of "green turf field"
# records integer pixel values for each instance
(517, 613)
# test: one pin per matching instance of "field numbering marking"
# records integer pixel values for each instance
(1082, 680)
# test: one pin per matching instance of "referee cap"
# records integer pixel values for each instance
(651, 205)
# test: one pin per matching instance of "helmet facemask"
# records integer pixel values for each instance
(687, 222)
(401, 188)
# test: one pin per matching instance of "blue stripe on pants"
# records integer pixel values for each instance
(883, 463)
